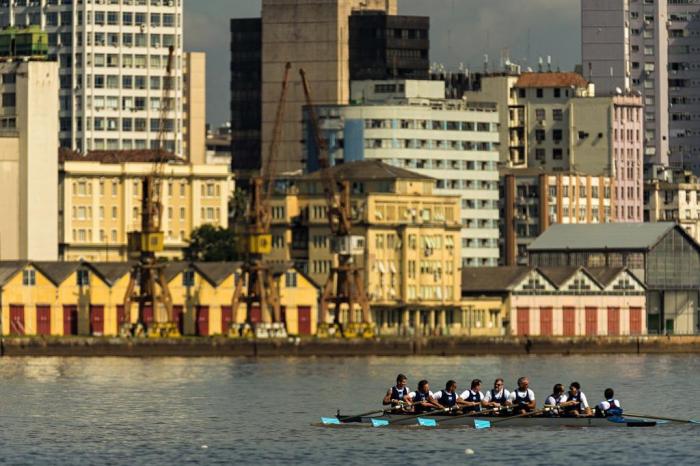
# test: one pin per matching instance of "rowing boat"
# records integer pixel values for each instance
(469, 421)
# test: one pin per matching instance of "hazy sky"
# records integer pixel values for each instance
(461, 31)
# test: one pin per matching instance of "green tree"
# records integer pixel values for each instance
(210, 243)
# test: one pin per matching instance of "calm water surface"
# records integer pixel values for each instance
(225, 411)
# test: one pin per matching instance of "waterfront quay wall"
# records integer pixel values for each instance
(430, 346)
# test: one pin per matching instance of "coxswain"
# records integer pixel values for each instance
(423, 399)
(448, 397)
(610, 406)
(555, 402)
(472, 398)
(522, 398)
(396, 395)
(497, 397)
(578, 404)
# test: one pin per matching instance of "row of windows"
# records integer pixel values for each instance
(124, 144)
(84, 188)
(85, 213)
(539, 93)
(127, 124)
(82, 235)
(30, 3)
(479, 204)
(431, 125)
(427, 144)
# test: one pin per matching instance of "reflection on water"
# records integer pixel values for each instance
(171, 411)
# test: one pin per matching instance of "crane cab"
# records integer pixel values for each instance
(348, 245)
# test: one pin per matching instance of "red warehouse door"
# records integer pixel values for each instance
(523, 321)
(226, 319)
(43, 319)
(591, 321)
(304, 320)
(635, 321)
(613, 321)
(97, 320)
(255, 315)
(178, 318)
(147, 315)
(546, 321)
(569, 320)
(16, 319)
(203, 321)
(70, 320)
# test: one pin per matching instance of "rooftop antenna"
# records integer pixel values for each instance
(541, 64)
(549, 63)
(529, 51)
(486, 63)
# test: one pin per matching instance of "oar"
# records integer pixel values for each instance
(433, 422)
(683, 421)
(336, 421)
(483, 424)
(384, 422)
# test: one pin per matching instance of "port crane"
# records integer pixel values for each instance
(345, 283)
(155, 317)
(255, 240)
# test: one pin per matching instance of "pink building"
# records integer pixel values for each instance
(627, 152)
(563, 301)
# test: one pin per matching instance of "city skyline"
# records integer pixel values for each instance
(457, 36)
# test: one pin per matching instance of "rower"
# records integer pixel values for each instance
(580, 407)
(396, 395)
(448, 397)
(423, 399)
(554, 401)
(496, 397)
(472, 398)
(610, 406)
(522, 398)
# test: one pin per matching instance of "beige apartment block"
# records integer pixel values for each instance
(533, 201)
(101, 203)
(674, 197)
(556, 123)
(28, 164)
(194, 128)
(412, 257)
(313, 35)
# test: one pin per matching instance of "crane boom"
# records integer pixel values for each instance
(345, 284)
(262, 290)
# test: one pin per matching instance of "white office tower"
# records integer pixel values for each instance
(652, 47)
(112, 56)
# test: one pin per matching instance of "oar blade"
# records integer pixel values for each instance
(379, 422)
(330, 421)
(427, 422)
(482, 424)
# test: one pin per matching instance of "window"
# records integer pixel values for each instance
(188, 278)
(83, 278)
(290, 279)
(540, 135)
(540, 93)
(540, 114)
(557, 114)
(557, 154)
(29, 277)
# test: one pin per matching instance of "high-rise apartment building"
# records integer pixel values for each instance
(194, 125)
(28, 160)
(650, 46)
(112, 56)
(314, 35)
(410, 124)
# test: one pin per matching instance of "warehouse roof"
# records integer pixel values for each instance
(57, 272)
(111, 272)
(368, 170)
(616, 236)
(216, 272)
(551, 79)
(491, 278)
